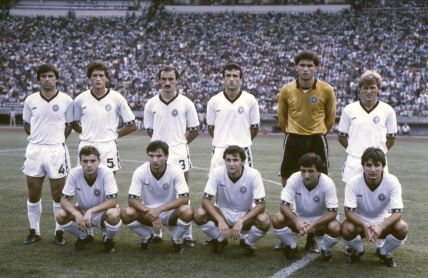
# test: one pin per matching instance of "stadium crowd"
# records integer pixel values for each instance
(390, 41)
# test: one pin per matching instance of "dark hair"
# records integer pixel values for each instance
(97, 65)
(233, 149)
(311, 159)
(307, 55)
(44, 68)
(158, 144)
(169, 68)
(88, 150)
(233, 66)
(376, 155)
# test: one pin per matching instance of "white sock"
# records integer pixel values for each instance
(380, 242)
(34, 212)
(254, 235)
(188, 233)
(391, 243)
(286, 236)
(56, 207)
(112, 230)
(145, 232)
(180, 230)
(328, 242)
(72, 228)
(157, 233)
(356, 243)
(210, 229)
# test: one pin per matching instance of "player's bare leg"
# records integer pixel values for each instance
(56, 188)
(34, 207)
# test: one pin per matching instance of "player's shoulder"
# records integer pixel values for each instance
(385, 106)
(143, 168)
(324, 85)
(76, 171)
(252, 171)
(248, 95)
(83, 95)
(326, 180)
(390, 179)
(173, 168)
(65, 96)
(355, 180)
(104, 170)
(115, 95)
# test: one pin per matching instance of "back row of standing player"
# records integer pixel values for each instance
(306, 111)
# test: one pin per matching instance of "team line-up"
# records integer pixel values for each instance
(233, 202)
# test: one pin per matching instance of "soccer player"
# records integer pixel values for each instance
(314, 197)
(232, 117)
(373, 209)
(96, 116)
(165, 197)
(96, 191)
(48, 118)
(172, 118)
(239, 211)
(306, 112)
(366, 123)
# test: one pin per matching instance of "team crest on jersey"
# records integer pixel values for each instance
(243, 189)
(316, 199)
(55, 107)
(381, 197)
(314, 99)
(376, 119)
(108, 107)
(174, 113)
(240, 110)
(165, 186)
(97, 192)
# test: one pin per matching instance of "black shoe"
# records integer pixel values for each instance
(311, 244)
(59, 238)
(109, 246)
(177, 247)
(188, 242)
(80, 244)
(279, 247)
(354, 257)
(388, 260)
(290, 253)
(326, 255)
(88, 239)
(242, 243)
(31, 238)
(210, 242)
(155, 239)
(219, 246)
(378, 253)
(249, 249)
(145, 245)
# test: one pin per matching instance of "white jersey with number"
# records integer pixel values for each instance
(310, 204)
(232, 120)
(99, 117)
(47, 118)
(367, 128)
(373, 206)
(90, 196)
(170, 120)
(158, 192)
(237, 196)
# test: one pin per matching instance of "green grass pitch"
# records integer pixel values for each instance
(407, 160)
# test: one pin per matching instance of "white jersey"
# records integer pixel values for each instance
(310, 204)
(373, 206)
(239, 196)
(47, 118)
(99, 117)
(158, 192)
(170, 120)
(87, 196)
(367, 128)
(232, 120)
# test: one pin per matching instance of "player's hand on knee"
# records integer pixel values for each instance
(157, 224)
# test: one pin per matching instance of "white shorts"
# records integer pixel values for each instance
(47, 160)
(96, 219)
(164, 217)
(231, 216)
(108, 150)
(217, 157)
(179, 155)
(353, 167)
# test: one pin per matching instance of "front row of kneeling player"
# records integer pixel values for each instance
(159, 196)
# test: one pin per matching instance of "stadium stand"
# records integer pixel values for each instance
(391, 40)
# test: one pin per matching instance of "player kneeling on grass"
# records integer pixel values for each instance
(165, 198)
(240, 204)
(373, 209)
(96, 191)
(314, 197)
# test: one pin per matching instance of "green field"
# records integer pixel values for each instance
(407, 160)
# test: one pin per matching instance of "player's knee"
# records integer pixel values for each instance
(278, 220)
(334, 228)
(400, 230)
(127, 215)
(348, 230)
(113, 215)
(263, 222)
(200, 216)
(61, 217)
(185, 213)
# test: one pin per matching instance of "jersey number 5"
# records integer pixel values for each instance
(110, 162)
